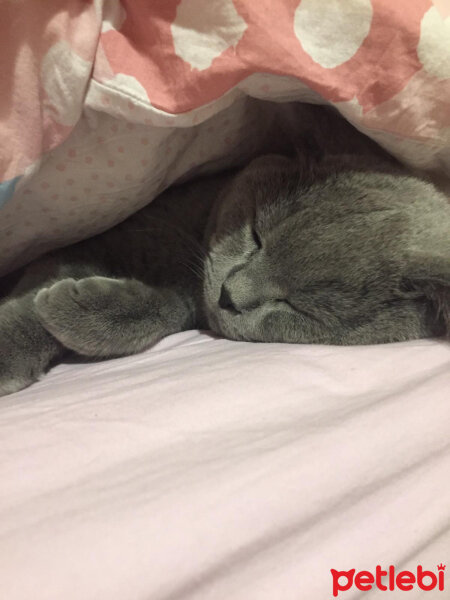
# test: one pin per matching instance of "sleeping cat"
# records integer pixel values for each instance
(321, 248)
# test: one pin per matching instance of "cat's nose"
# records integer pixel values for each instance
(225, 301)
(237, 299)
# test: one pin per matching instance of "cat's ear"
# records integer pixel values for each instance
(428, 275)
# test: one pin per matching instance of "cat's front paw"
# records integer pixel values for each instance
(80, 313)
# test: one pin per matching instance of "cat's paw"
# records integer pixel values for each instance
(80, 314)
(26, 348)
(17, 371)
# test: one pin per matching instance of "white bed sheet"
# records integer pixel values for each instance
(208, 469)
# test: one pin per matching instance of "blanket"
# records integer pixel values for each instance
(206, 469)
(107, 103)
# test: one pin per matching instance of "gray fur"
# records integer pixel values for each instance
(323, 248)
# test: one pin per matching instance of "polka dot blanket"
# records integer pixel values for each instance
(105, 103)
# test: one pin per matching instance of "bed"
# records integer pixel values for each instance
(204, 468)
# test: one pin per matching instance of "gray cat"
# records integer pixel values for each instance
(326, 247)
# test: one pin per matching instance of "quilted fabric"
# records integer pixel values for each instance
(108, 103)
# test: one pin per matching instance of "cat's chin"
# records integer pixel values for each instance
(237, 326)
(225, 324)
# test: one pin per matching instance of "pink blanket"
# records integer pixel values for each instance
(107, 103)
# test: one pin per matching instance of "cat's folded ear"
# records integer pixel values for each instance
(428, 276)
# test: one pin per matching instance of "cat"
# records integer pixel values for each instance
(328, 246)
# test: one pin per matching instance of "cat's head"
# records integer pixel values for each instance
(335, 255)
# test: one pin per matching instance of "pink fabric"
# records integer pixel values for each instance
(41, 44)
(269, 44)
(62, 51)
(206, 469)
(107, 103)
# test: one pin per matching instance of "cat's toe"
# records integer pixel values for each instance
(59, 309)
(74, 312)
(55, 298)
(98, 286)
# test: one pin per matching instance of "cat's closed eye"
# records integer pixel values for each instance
(284, 302)
(256, 238)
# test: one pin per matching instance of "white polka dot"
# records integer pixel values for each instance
(63, 74)
(203, 29)
(331, 31)
(434, 45)
(121, 82)
(113, 15)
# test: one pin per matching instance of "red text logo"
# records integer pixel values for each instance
(388, 579)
